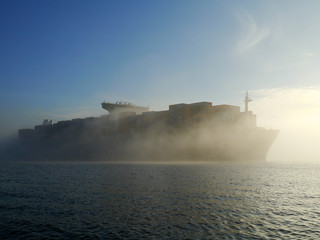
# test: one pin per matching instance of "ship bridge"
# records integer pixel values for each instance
(118, 107)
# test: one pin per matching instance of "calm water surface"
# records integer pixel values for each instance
(159, 201)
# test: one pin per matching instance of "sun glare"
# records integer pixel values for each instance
(296, 113)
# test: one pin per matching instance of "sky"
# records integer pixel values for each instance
(60, 59)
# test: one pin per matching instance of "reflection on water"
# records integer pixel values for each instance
(160, 201)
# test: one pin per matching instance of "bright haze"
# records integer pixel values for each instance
(60, 59)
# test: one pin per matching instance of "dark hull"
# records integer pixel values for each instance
(250, 145)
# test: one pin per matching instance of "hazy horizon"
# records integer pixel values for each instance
(60, 60)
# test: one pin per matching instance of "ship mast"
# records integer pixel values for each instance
(247, 99)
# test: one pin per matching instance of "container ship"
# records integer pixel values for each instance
(185, 132)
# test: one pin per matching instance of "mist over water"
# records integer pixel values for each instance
(189, 170)
(162, 201)
(185, 132)
(296, 113)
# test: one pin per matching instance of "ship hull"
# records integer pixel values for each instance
(247, 145)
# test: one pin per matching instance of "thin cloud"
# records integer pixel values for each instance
(252, 34)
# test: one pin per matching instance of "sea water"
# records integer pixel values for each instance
(159, 201)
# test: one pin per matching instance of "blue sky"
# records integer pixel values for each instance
(61, 59)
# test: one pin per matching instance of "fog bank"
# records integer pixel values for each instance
(296, 113)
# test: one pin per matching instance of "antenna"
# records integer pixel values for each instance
(247, 99)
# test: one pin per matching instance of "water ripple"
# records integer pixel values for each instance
(204, 201)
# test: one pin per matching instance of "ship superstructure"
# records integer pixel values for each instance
(119, 107)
